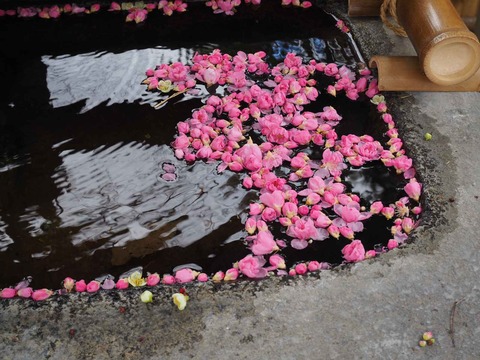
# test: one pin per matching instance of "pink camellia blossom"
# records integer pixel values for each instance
(168, 279)
(153, 279)
(303, 230)
(94, 8)
(388, 212)
(274, 200)
(93, 286)
(413, 189)
(251, 156)
(354, 252)
(252, 267)
(301, 269)
(122, 284)
(41, 294)
(202, 277)
(331, 69)
(277, 261)
(370, 254)
(185, 275)
(231, 274)
(68, 284)
(114, 6)
(314, 266)
(392, 244)
(108, 284)
(376, 207)
(264, 243)
(334, 231)
(25, 292)
(218, 276)
(80, 286)
(417, 210)
(329, 113)
(8, 293)
(408, 225)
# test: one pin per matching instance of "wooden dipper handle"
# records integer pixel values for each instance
(448, 52)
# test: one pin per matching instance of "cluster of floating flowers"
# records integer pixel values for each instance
(268, 104)
(137, 11)
(302, 194)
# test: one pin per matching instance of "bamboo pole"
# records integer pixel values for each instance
(467, 9)
(404, 73)
(364, 7)
(448, 52)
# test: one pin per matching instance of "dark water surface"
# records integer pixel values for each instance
(82, 148)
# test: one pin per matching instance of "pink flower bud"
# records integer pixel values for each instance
(80, 286)
(42, 294)
(370, 254)
(413, 189)
(108, 284)
(8, 293)
(417, 210)
(388, 212)
(25, 292)
(219, 276)
(122, 284)
(376, 207)
(231, 274)
(202, 277)
(93, 286)
(292, 272)
(153, 279)
(168, 279)
(392, 244)
(301, 269)
(185, 275)
(313, 266)
(277, 261)
(68, 284)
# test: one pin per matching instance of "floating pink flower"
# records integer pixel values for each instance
(354, 252)
(153, 279)
(314, 266)
(252, 266)
(277, 261)
(202, 277)
(93, 286)
(42, 294)
(413, 189)
(108, 284)
(25, 292)
(8, 293)
(231, 274)
(185, 275)
(168, 279)
(80, 286)
(264, 243)
(122, 284)
(68, 284)
(301, 269)
(392, 244)
(218, 276)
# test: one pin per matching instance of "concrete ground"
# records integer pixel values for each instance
(377, 309)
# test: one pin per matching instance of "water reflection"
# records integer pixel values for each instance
(102, 76)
